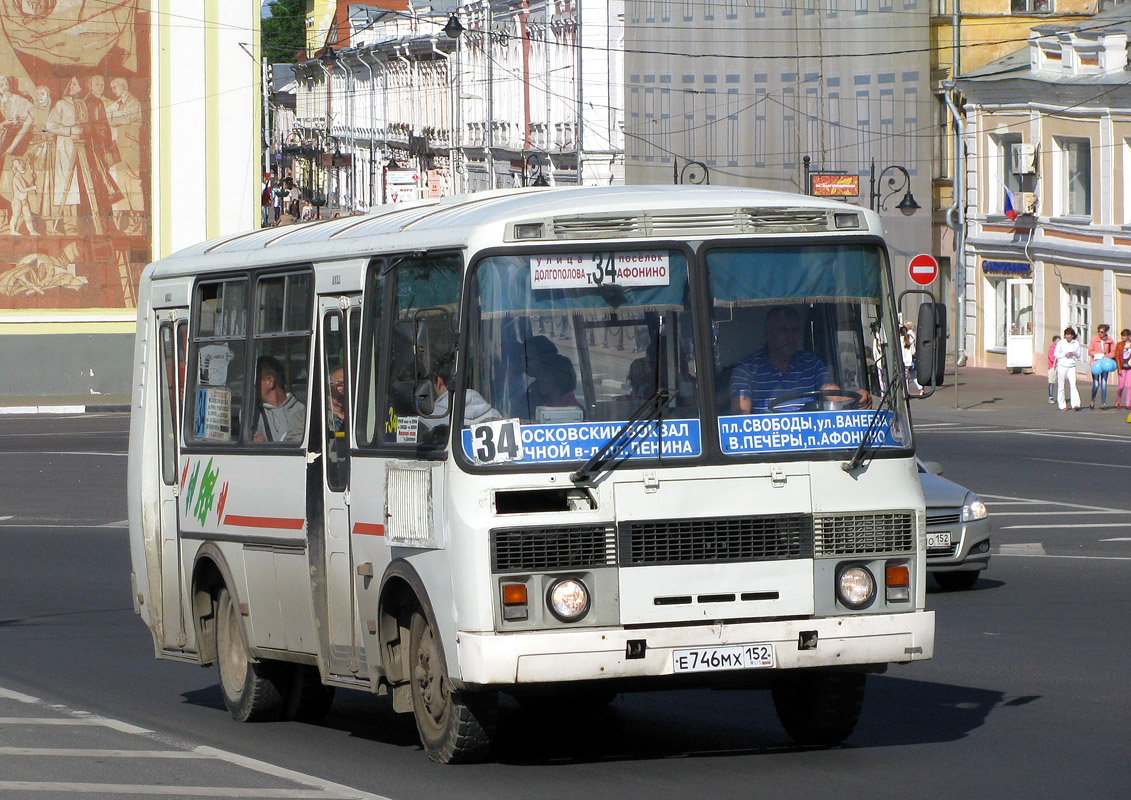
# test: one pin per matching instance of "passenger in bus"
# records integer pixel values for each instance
(336, 400)
(781, 368)
(475, 408)
(516, 360)
(553, 384)
(280, 416)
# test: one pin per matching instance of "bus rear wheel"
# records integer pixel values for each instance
(819, 708)
(455, 727)
(253, 692)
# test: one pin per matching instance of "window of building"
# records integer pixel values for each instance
(1031, 6)
(1077, 310)
(1001, 173)
(1073, 177)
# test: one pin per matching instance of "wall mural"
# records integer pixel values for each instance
(74, 155)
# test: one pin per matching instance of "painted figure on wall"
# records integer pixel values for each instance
(74, 155)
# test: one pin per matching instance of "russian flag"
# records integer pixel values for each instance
(1010, 207)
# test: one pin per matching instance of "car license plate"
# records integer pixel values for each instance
(737, 656)
(936, 540)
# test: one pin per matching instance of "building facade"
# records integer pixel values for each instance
(1049, 128)
(427, 102)
(126, 134)
(749, 91)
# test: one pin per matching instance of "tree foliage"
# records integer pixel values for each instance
(284, 32)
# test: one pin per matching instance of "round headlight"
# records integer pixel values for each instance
(568, 599)
(973, 508)
(855, 586)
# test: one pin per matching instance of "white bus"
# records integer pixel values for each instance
(682, 457)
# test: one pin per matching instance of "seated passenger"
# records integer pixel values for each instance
(280, 416)
(554, 380)
(781, 368)
(475, 408)
(336, 400)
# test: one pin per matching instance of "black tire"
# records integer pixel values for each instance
(308, 699)
(956, 581)
(819, 708)
(455, 727)
(253, 692)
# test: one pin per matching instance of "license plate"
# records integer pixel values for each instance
(935, 540)
(736, 656)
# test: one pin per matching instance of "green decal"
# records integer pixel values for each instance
(206, 499)
(191, 486)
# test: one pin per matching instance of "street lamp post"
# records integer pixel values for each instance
(907, 205)
(532, 174)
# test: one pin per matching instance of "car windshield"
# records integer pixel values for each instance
(565, 347)
(804, 350)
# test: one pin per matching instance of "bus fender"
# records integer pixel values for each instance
(401, 592)
(210, 571)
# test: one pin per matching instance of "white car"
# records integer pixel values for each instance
(958, 530)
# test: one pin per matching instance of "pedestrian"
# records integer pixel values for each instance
(1067, 353)
(265, 202)
(907, 339)
(1099, 348)
(1123, 368)
(1052, 367)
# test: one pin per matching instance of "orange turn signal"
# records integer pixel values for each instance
(514, 594)
(897, 576)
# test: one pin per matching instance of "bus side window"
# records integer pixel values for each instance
(420, 331)
(283, 308)
(217, 361)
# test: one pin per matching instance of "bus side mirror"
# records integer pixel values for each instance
(930, 351)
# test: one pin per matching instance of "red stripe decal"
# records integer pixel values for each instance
(368, 529)
(278, 523)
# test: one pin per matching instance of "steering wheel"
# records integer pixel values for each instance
(819, 400)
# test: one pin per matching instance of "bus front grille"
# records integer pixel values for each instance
(863, 534)
(715, 540)
(561, 547)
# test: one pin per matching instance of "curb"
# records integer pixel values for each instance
(62, 409)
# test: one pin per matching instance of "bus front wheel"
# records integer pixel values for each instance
(454, 726)
(253, 692)
(819, 708)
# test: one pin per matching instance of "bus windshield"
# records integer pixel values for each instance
(803, 348)
(570, 345)
(564, 348)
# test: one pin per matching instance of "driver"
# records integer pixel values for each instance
(779, 368)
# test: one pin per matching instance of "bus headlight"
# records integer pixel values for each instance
(855, 586)
(973, 508)
(568, 599)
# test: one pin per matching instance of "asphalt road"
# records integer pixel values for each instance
(1028, 695)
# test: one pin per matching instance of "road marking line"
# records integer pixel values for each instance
(1079, 463)
(1118, 539)
(1029, 500)
(1022, 549)
(1030, 513)
(1077, 435)
(167, 791)
(1066, 527)
(125, 523)
(321, 788)
(1076, 558)
(61, 453)
(82, 752)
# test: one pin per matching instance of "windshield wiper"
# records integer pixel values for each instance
(606, 458)
(866, 447)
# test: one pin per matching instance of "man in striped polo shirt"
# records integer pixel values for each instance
(779, 368)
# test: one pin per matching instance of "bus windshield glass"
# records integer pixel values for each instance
(804, 349)
(565, 347)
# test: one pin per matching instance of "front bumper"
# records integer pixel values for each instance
(965, 537)
(601, 654)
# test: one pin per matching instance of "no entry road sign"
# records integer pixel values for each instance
(923, 269)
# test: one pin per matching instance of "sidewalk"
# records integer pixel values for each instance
(997, 396)
(63, 404)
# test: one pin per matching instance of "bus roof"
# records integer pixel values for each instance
(572, 213)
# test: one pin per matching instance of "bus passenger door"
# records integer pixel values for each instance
(340, 322)
(172, 338)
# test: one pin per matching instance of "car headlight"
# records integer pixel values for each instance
(855, 586)
(973, 508)
(568, 599)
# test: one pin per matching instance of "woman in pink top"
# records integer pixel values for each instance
(1099, 348)
(1052, 367)
(1123, 365)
